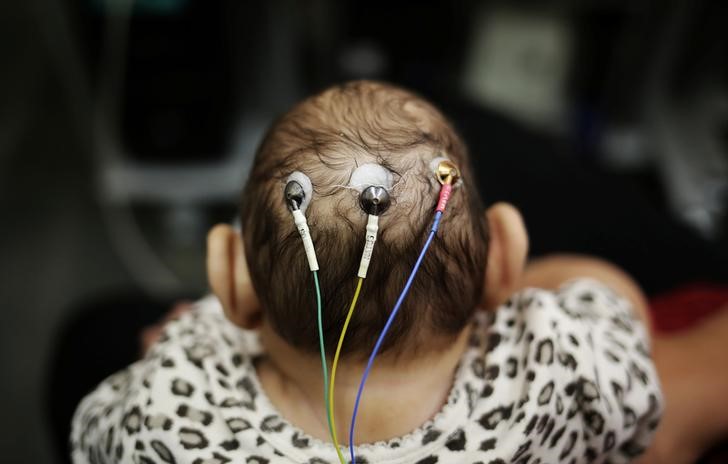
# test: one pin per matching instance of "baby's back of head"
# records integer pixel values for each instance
(326, 137)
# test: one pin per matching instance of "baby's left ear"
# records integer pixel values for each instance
(227, 272)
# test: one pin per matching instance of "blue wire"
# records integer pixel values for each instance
(380, 340)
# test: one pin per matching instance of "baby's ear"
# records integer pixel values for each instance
(227, 272)
(507, 253)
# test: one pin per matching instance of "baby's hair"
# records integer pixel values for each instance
(326, 137)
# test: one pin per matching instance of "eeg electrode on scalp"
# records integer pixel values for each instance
(297, 194)
(374, 200)
(373, 181)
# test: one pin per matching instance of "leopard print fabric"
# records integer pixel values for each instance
(551, 377)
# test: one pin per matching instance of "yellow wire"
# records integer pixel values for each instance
(333, 371)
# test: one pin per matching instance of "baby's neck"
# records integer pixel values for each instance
(399, 396)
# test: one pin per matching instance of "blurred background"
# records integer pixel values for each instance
(127, 128)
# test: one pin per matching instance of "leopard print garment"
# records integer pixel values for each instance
(562, 377)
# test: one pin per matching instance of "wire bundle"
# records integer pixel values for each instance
(374, 200)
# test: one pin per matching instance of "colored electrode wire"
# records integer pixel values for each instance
(445, 192)
(294, 195)
(324, 366)
(374, 200)
(331, 408)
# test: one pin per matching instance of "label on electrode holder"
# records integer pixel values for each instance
(369, 247)
(445, 193)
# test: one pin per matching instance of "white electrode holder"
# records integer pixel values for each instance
(302, 226)
(371, 237)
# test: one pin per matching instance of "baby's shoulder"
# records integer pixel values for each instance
(203, 357)
(577, 331)
(177, 397)
(569, 369)
(577, 308)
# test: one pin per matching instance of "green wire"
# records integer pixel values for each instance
(324, 365)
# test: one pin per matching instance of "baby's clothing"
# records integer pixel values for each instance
(550, 377)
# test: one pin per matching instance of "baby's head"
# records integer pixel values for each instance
(326, 137)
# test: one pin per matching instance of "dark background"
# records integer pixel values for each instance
(126, 129)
